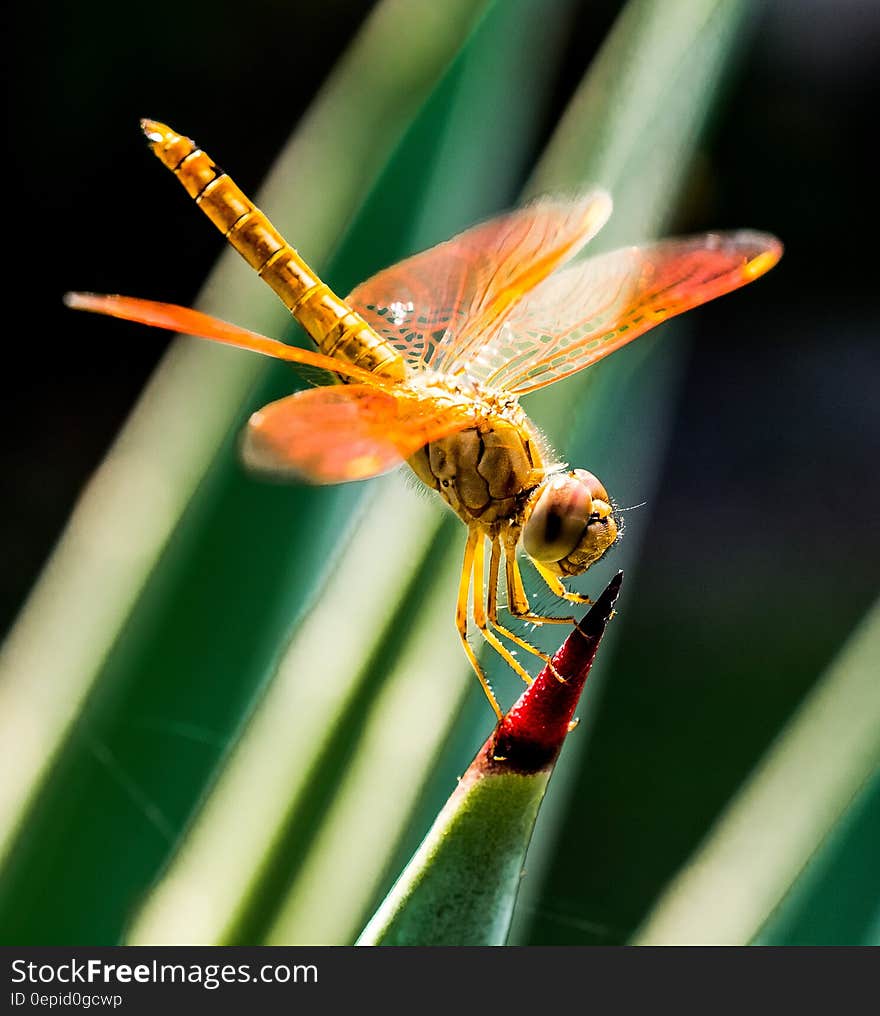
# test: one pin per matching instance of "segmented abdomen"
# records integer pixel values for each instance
(337, 330)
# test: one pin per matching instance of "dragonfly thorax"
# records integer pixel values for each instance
(486, 472)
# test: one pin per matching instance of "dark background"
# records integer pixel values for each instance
(771, 483)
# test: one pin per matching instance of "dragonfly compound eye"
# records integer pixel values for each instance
(560, 511)
(593, 485)
(569, 523)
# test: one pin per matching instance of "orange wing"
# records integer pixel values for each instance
(592, 308)
(351, 432)
(439, 307)
(194, 322)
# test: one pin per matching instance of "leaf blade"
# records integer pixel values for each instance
(838, 722)
(460, 886)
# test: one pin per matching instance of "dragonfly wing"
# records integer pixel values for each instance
(590, 309)
(187, 321)
(440, 306)
(341, 433)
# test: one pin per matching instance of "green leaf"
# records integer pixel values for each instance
(777, 822)
(461, 885)
(836, 898)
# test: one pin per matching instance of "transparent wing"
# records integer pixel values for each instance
(594, 307)
(341, 433)
(439, 307)
(193, 322)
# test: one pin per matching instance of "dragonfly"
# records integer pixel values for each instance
(425, 363)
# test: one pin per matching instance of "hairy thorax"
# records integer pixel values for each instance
(484, 472)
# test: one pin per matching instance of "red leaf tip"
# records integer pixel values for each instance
(531, 734)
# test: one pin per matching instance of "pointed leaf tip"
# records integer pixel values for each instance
(531, 734)
(592, 624)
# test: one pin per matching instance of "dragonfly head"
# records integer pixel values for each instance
(569, 522)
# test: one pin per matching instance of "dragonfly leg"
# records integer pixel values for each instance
(492, 605)
(480, 616)
(517, 601)
(475, 537)
(557, 588)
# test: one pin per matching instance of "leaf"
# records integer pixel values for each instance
(461, 885)
(776, 823)
(836, 898)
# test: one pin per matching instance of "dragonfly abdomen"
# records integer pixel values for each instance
(337, 330)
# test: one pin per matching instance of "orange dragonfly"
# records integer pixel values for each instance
(433, 355)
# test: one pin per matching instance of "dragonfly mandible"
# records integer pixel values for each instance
(433, 355)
